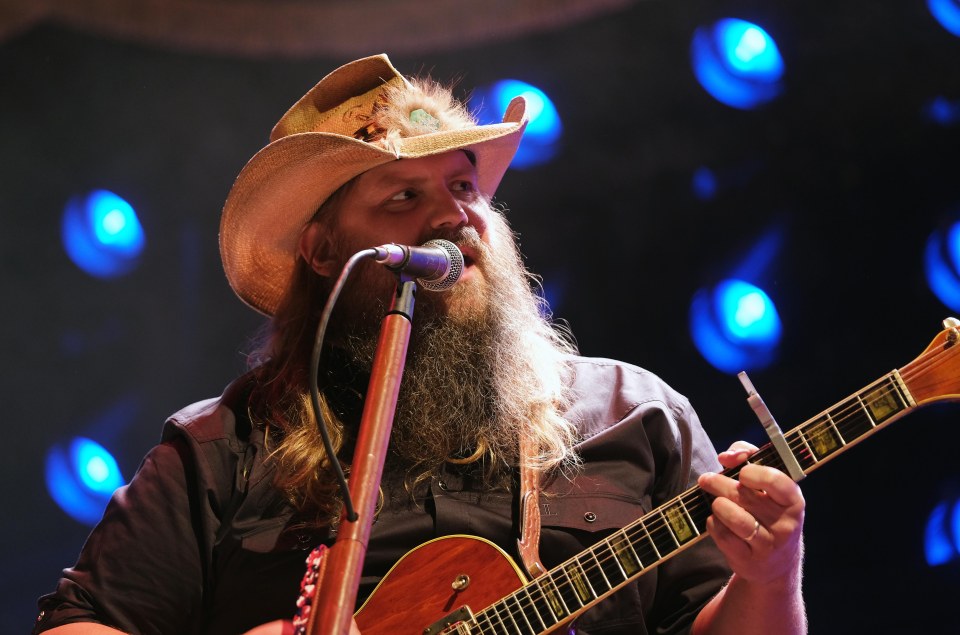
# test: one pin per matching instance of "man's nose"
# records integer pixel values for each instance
(449, 213)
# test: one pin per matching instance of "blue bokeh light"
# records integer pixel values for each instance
(936, 545)
(704, 183)
(942, 265)
(544, 129)
(737, 62)
(735, 326)
(81, 476)
(941, 536)
(947, 13)
(955, 527)
(942, 111)
(102, 234)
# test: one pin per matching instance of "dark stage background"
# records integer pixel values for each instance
(844, 164)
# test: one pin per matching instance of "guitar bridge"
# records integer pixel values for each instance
(457, 620)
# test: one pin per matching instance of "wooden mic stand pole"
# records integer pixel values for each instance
(332, 611)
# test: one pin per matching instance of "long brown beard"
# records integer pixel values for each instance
(471, 373)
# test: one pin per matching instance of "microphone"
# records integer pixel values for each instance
(437, 264)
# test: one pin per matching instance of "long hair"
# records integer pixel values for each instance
(280, 400)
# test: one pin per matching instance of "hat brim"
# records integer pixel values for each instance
(283, 185)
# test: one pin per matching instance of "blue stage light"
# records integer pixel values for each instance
(955, 526)
(735, 326)
(942, 264)
(942, 111)
(81, 477)
(704, 183)
(947, 13)
(737, 62)
(102, 234)
(941, 536)
(541, 138)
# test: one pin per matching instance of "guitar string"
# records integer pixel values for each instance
(692, 501)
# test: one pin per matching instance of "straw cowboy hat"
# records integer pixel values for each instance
(362, 115)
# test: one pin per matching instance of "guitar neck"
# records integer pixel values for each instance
(574, 586)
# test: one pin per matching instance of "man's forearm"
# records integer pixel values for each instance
(747, 608)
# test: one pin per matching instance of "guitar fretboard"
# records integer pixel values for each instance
(572, 587)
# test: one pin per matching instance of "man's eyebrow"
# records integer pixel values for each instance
(394, 179)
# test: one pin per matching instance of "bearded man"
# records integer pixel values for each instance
(210, 536)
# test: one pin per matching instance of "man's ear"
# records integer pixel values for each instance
(316, 247)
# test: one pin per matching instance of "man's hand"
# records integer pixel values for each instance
(757, 523)
(757, 520)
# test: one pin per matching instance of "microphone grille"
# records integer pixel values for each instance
(453, 274)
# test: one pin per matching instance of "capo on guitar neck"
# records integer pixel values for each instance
(772, 429)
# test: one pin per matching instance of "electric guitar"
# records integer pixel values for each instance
(462, 585)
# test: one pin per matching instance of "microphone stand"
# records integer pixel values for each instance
(332, 610)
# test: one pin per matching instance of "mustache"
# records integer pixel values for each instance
(466, 236)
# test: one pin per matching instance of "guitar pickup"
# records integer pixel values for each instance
(455, 620)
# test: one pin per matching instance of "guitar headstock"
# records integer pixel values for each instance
(935, 374)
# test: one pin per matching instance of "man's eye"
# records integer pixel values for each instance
(405, 195)
(464, 186)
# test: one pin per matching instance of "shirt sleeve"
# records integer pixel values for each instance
(123, 578)
(644, 445)
(688, 581)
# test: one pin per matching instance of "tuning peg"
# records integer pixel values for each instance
(951, 323)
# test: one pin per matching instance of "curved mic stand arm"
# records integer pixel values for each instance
(332, 610)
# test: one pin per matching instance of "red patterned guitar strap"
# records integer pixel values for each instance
(316, 562)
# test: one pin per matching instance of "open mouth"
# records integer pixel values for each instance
(469, 258)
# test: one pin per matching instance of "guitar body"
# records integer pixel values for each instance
(419, 590)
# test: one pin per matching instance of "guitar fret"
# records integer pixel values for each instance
(836, 430)
(650, 541)
(677, 524)
(666, 529)
(531, 611)
(858, 421)
(612, 566)
(509, 616)
(885, 401)
(567, 588)
(598, 577)
(866, 410)
(495, 618)
(806, 457)
(574, 589)
(541, 606)
(609, 565)
(689, 519)
(557, 605)
(479, 620)
(821, 439)
(522, 612)
(626, 555)
(698, 508)
(664, 540)
(595, 576)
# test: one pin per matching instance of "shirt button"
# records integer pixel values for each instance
(589, 517)
(442, 485)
